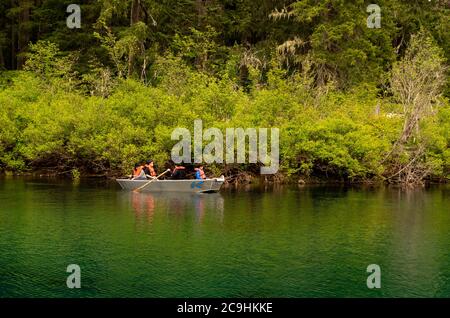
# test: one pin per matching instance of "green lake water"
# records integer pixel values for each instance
(276, 242)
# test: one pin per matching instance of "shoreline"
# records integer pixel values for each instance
(243, 179)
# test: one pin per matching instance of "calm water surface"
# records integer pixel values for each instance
(282, 242)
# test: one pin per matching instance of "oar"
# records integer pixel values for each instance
(135, 190)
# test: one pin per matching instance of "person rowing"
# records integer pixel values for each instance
(178, 173)
(138, 172)
(149, 169)
(199, 173)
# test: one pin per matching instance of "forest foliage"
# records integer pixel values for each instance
(352, 103)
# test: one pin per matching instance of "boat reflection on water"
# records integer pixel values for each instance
(143, 205)
(146, 205)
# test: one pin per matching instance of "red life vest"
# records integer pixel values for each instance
(137, 171)
(152, 171)
(202, 173)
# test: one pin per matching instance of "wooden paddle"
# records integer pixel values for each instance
(136, 190)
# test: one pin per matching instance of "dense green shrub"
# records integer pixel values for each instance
(344, 135)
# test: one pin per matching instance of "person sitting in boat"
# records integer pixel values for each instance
(178, 173)
(138, 172)
(199, 173)
(149, 169)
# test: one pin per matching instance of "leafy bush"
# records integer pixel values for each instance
(333, 134)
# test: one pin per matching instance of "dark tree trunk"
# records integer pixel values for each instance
(135, 11)
(23, 31)
(2, 59)
(13, 46)
(200, 6)
(135, 18)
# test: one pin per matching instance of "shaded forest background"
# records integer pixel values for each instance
(352, 103)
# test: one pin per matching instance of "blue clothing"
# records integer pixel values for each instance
(198, 175)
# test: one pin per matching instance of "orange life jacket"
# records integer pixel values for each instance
(202, 173)
(137, 171)
(152, 171)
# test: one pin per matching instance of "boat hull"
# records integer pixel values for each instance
(186, 186)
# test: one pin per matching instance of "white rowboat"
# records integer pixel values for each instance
(191, 186)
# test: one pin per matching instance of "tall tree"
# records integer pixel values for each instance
(24, 29)
(136, 12)
(417, 82)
